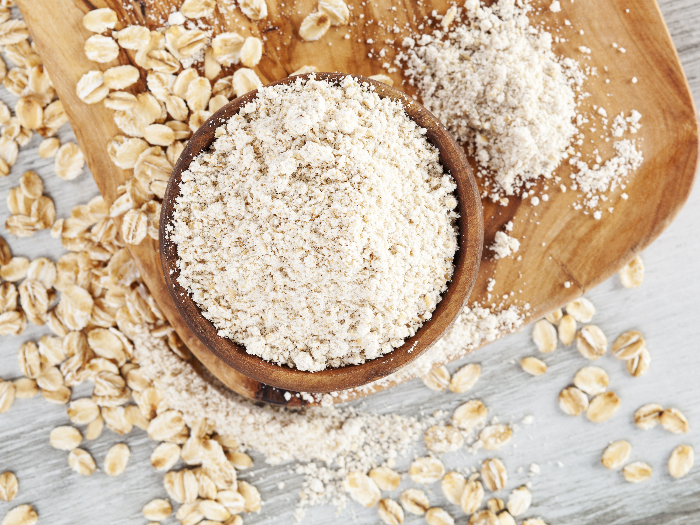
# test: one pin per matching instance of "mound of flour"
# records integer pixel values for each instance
(498, 87)
(318, 231)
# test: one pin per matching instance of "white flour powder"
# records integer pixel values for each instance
(497, 86)
(318, 231)
(504, 245)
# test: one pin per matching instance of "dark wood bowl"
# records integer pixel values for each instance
(466, 261)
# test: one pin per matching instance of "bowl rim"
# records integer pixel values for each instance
(466, 261)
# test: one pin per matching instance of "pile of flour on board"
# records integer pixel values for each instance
(319, 229)
(498, 87)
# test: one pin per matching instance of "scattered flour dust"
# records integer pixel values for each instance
(319, 230)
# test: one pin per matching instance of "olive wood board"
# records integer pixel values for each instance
(558, 244)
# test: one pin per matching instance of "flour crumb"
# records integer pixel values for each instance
(504, 245)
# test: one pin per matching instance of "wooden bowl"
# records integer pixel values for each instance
(466, 261)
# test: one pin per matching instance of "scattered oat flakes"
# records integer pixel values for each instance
(91, 88)
(533, 366)
(452, 486)
(22, 515)
(484, 517)
(101, 49)
(636, 472)
(9, 486)
(415, 501)
(591, 342)
(100, 20)
(251, 51)
(83, 411)
(632, 274)
(495, 505)
(60, 396)
(567, 329)
(245, 80)
(437, 379)
(581, 309)
(384, 79)
(505, 518)
(314, 26)
(336, 10)
(616, 454)
(449, 17)
(602, 407)
(639, 365)
(25, 388)
(681, 461)
(592, 380)
(362, 489)
(29, 112)
(438, 516)
(385, 478)
(157, 509)
(519, 501)
(573, 401)
(465, 378)
(469, 415)
(303, 70)
(648, 416)
(426, 470)
(390, 512)
(494, 474)
(65, 438)
(554, 316)
(545, 336)
(226, 48)
(117, 459)
(5, 252)
(198, 8)
(253, 9)
(69, 161)
(15, 270)
(495, 436)
(628, 345)
(251, 495)
(81, 462)
(472, 497)
(674, 421)
(133, 37)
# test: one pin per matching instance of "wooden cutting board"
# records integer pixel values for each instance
(558, 244)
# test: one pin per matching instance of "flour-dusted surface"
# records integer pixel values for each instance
(319, 230)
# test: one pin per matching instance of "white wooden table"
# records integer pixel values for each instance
(572, 486)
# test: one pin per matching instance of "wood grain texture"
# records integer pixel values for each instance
(557, 244)
(579, 492)
(466, 261)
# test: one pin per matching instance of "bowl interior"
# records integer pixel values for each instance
(466, 261)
